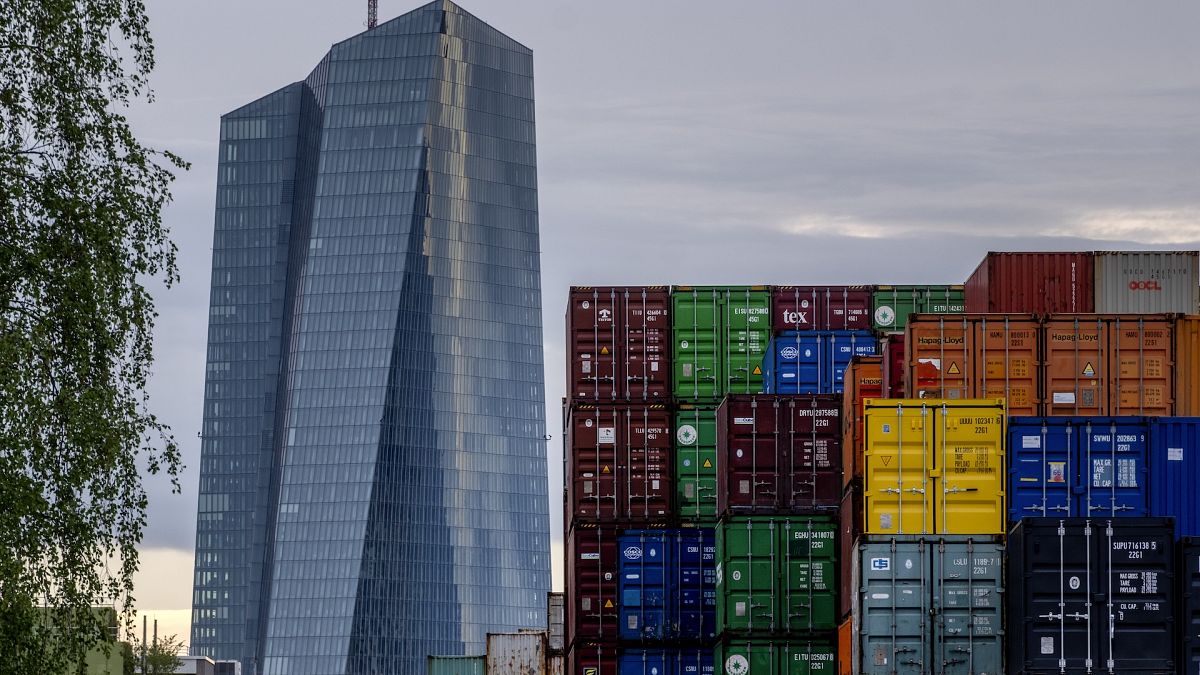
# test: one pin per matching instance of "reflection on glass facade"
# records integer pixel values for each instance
(373, 470)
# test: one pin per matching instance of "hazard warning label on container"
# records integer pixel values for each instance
(603, 351)
(757, 370)
(953, 369)
(605, 469)
(608, 604)
(1088, 370)
(707, 464)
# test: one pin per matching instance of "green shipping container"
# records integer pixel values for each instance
(776, 657)
(776, 574)
(721, 335)
(455, 665)
(893, 304)
(696, 461)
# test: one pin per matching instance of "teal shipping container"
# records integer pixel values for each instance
(456, 665)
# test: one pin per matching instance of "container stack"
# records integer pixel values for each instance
(963, 480)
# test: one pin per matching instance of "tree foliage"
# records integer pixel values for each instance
(81, 232)
(161, 655)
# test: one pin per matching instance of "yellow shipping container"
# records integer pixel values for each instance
(934, 466)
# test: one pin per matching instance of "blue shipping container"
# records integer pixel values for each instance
(1078, 466)
(667, 584)
(813, 362)
(667, 662)
(1175, 472)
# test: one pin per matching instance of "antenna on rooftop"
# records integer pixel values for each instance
(372, 13)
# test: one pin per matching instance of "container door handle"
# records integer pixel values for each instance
(956, 490)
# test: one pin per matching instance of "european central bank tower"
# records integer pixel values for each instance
(373, 466)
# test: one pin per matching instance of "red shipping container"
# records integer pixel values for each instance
(619, 464)
(1032, 283)
(591, 601)
(850, 525)
(779, 454)
(618, 343)
(595, 658)
(820, 308)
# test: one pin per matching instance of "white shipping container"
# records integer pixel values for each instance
(1147, 282)
(556, 622)
(521, 653)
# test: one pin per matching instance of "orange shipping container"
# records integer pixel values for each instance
(1116, 364)
(1187, 366)
(864, 379)
(846, 647)
(975, 356)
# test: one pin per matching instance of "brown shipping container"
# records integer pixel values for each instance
(1187, 366)
(976, 356)
(592, 603)
(850, 525)
(618, 341)
(619, 464)
(820, 308)
(864, 379)
(1098, 364)
(1032, 283)
(779, 454)
(594, 658)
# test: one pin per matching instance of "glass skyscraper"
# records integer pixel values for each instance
(373, 468)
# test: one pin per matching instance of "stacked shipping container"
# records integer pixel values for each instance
(767, 431)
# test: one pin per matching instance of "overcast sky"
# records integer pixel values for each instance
(731, 142)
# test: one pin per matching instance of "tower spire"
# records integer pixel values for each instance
(372, 13)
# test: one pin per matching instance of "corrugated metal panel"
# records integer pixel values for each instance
(592, 568)
(556, 618)
(1032, 283)
(776, 574)
(1175, 472)
(813, 362)
(516, 653)
(666, 662)
(779, 454)
(618, 342)
(696, 461)
(846, 644)
(1092, 595)
(930, 604)
(934, 466)
(820, 308)
(791, 656)
(850, 524)
(720, 337)
(1078, 467)
(864, 379)
(1147, 282)
(1187, 366)
(456, 665)
(894, 304)
(667, 585)
(1189, 604)
(556, 664)
(593, 658)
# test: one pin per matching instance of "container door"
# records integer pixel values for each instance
(1189, 605)
(745, 657)
(795, 308)
(645, 662)
(592, 589)
(747, 335)
(1042, 468)
(893, 631)
(693, 662)
(696, 462)
(593, 331)
(1076, 366)
(647, 333)
(1175, 472)
(750, 462)
(847, 308)
(1059, 584)
(969, 470)
(967, 601)
(646, 463)
(593, 464)
(798, 365)
(898, 497)
(840, 347)
(1141, 367)
(691, 615)
(809, 581)
(809, 436)
(645, 584)
(805, 657)
(747, 576)
(1007, 364)
(864, 379)
(941, 358)
(1139, 609)
(1112, 455)
(696, 319)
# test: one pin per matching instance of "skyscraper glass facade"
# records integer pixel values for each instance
(373, 462)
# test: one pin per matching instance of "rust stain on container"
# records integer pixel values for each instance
(522, 653)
